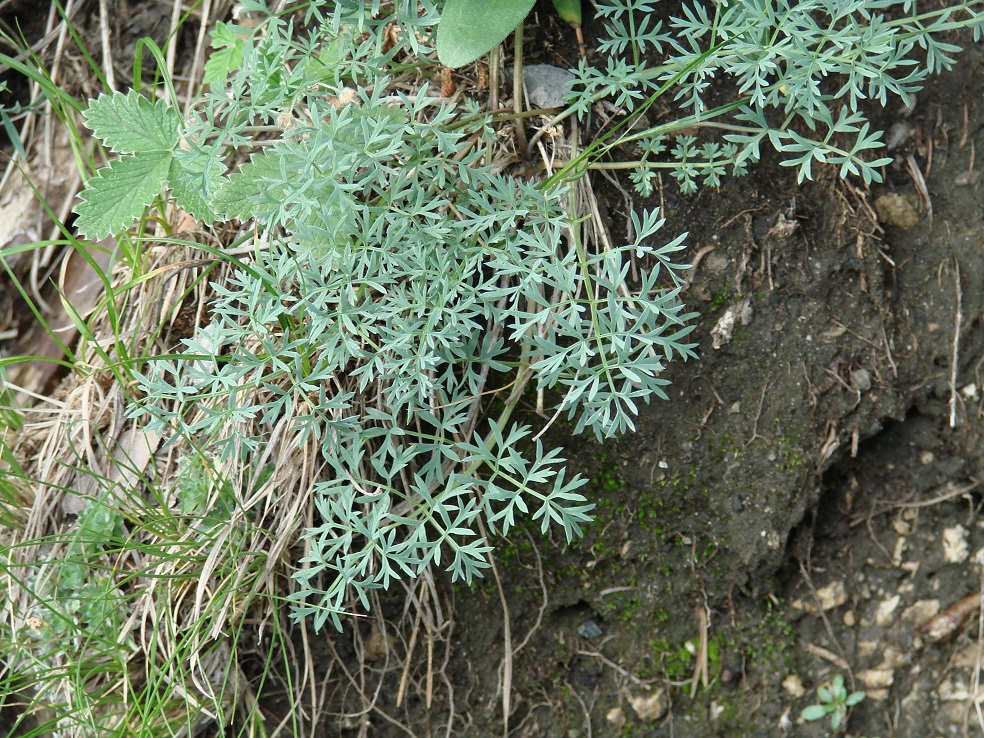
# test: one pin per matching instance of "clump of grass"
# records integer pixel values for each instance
(130, 573)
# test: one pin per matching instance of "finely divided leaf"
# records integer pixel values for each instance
(189, 191)
(235, 199)
(194, 178)
(117, 195)
(132, 124)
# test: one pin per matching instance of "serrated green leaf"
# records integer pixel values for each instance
(117, 195)
(222, 61)
(131, 124)
(223, 35)
(235, 198)
(232, 199)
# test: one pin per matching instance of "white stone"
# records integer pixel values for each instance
(955, 548)
(650, 707)
(616, 716)
(953, 690)
(876, 678)
(794, 685)
(921, 611)
(831, 596)
(885, 613)
(978, 557)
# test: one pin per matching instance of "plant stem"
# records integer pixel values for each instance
(518, 90)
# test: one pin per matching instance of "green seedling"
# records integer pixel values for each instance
(833, 701)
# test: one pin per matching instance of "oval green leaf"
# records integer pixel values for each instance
(854, 698)
(814, 712)
(569, 10)
(471, 28)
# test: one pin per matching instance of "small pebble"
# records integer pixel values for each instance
(895, 210)
(831, 596)
(547, 85)
(590, 629)
(794, 685)
(616, 716)
(876, 678)
(921, 611)
(650, 707)
(885, 614)
(861, 380)
(955, 548)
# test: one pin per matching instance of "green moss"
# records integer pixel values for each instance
(789, 446)
(720, 299)
(724, 448)
(714, 646)
(678, 664)
(767, 641)
(509, 550)
(675, 661)
(664, 499)
(609, 481)
(625, 607)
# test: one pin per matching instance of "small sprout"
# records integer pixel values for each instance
(834, 701)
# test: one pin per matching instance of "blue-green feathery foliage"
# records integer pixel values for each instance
(800, 70)
(405, 287)
(408, 276)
